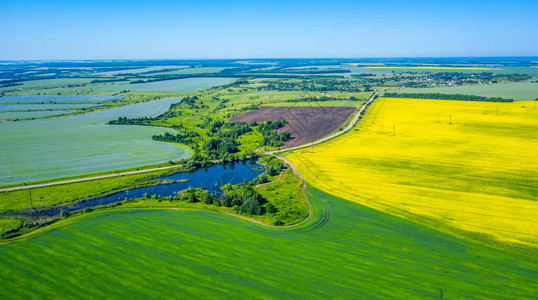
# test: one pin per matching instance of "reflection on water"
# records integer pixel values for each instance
(210, 179)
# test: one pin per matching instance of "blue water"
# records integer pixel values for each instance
(210, 179)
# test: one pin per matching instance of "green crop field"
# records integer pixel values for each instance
(173, 86)
(51, 83)
(514, 90)
(54, 148)
(37, 107)
(190, 71)
(64, 86)
(32, 114)
(53, 99)
(139, 70)
(353, 252)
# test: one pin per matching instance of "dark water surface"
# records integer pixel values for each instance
(210, 179)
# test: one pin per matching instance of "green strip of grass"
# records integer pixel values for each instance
(286, 196)
(50, 195)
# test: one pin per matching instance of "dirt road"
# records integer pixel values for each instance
(24, 187)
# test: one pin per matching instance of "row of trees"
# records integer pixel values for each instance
(185, 137)
(447, 97)
(241, 197)
(126, 121)
(270, 135)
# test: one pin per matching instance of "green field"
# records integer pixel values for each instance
(49, 83)
(8, 223)
(190, 71)
(139, 70)
(32, 114)
(173, 86)
(63, 86)
(337, 103)
(353, 252)
(514, 90)
(53, 99)
(36, 107)
(54, 148)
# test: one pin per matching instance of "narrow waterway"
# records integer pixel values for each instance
(210, 179)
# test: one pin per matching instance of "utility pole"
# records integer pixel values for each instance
(450, 119)
(394, 127)
(497, 110)
(30, 192)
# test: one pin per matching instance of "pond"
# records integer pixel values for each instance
(210, 179)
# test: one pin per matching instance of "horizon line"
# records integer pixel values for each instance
(260, 58)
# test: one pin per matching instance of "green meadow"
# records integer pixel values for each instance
(333, 103)
(513, 90)
(346, 251)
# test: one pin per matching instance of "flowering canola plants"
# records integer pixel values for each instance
(462, 167)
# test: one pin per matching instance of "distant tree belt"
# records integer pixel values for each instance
(321, 99)
(222, 74)
(302, 71)
(447, 97)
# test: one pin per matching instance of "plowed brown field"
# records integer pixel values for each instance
(305, 123)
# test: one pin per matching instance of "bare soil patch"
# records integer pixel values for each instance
(305, 123)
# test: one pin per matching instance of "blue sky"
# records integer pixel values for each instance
(159, 29)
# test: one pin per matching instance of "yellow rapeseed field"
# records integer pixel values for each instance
(458, 166)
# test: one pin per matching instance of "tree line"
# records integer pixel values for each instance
(439, 96)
